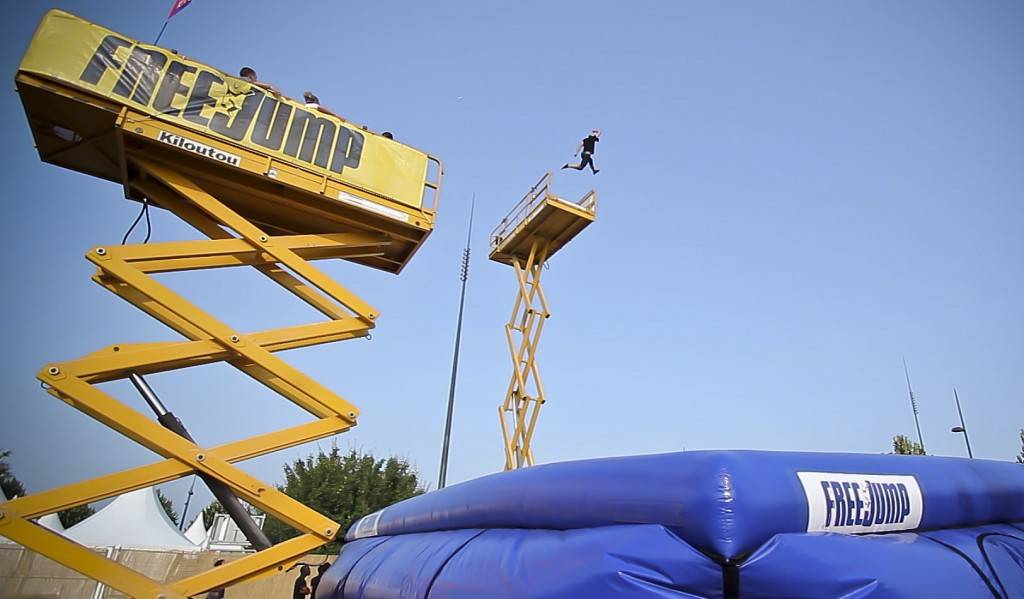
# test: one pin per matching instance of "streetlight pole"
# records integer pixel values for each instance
(442, 478)
(963, 427)
(913, 405)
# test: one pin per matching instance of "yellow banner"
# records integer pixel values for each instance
(171, 87)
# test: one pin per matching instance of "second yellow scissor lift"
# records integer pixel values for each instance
(539, 225)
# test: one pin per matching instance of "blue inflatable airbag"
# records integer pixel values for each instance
(701, 524)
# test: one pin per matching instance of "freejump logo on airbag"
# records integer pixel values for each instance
(367, 525)
(190, 145)
(860, 503)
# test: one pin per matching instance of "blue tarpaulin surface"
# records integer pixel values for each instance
(701, 524)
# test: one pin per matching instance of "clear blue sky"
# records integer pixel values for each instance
(793, 196)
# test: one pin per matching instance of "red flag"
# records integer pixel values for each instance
(177, 6)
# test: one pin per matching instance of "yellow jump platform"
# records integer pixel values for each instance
(97, 100)
(541, 215)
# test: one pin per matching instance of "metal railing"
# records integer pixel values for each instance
(521, 210)
(432, 187)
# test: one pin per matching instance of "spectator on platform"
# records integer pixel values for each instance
(249, 75)
(313, 103)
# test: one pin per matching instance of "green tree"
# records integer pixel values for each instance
(10, 484)
(13, 487)
(74, 515)
(168, 506)
(1020, 456)
(344, 487)
(902, 445)
(210, 511)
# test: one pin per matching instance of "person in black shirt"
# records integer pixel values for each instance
(319, 574)
(587, 145)
(216, 593)
(249, 74)
(301, 589)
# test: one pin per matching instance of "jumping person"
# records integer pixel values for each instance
(587, 145)
(249, 75)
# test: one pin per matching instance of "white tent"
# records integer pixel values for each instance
(51, 521)
(135, 520)
(197, 533)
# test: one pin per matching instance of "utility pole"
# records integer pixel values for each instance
(188, 500)
(442, 478)
(913, 405)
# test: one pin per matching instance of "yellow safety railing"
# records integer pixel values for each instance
(522, 210)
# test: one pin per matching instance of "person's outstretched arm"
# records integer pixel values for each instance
(578, 148)
(327, 110)
(270, 88)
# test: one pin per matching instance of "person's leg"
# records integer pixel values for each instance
(578, 167)
(588, 159)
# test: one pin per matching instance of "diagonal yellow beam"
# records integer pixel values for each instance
(319, 400)
(250, 566)
(153, 436)
(189, 213)
(215, 209)
(82, 559)
(116, 361)
(118, 483)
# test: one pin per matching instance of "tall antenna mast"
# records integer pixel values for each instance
(442, 478)
(913, 404)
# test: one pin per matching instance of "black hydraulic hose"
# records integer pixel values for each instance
(227, 498)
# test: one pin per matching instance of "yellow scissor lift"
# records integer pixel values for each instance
(537, 227)
(273, 186)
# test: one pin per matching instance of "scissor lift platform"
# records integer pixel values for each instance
(272, 185)
(96, 101)
(541, 215)
(537, 227)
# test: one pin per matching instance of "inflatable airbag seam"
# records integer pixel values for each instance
(344, 580)
(730, 580)
(984, 553)
(433, 579)
(967, 558)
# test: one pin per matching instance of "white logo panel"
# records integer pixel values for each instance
(860, 503)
